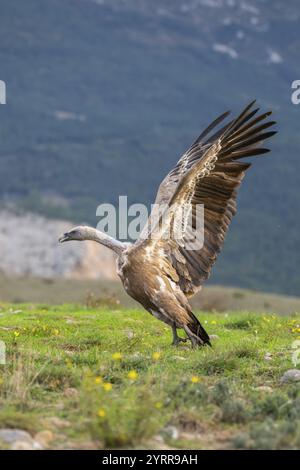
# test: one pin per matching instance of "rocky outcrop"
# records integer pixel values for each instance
(29, 246)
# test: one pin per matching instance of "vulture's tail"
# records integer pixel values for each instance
(196, 332)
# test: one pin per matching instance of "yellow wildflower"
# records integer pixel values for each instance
(56, 331)
(195, 379)
(107, 386)
(156, 356)
(213, 322)
(132, 375)
(101, 413)
(158, 405)
(117, 356)
(98, 380)
(16, 333)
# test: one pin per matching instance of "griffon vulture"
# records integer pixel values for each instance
(161, 272)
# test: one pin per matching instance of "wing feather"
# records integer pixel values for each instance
(209, 173)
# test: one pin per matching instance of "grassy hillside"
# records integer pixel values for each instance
(102, 98)
(112, 294)
(103, 378)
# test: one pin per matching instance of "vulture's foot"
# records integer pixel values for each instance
(177, 339)
(196, 340)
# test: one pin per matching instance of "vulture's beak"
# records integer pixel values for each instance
(64, 238)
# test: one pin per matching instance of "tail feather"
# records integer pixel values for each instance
(197, 329)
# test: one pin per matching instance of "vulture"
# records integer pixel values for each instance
(161, 270)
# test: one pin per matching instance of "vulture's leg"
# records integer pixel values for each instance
(176, 338)
(193, 338)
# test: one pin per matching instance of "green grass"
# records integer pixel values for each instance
(61, 363)
(212, 298)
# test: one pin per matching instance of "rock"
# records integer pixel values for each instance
(70, 392)
(21, 445)
(12, 435)
(81, 445)
(157, 443)
(24, 445)
(292, 375)
(19, 439)
(54, 422)
(136, 355)
(69, 353)
(264, 388)
(268, 357)
(72, 322)
(129, 334)
(44, 437)
(29, 246)
(213, 337)
(179, 358)
(171, 432)
(159, 438)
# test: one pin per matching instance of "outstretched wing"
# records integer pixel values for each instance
(208, 174)
(189, 158)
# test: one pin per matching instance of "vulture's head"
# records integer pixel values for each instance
(79, 233)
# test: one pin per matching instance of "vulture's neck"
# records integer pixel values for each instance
(104, 239)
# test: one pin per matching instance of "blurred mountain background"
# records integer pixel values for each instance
(103, 96)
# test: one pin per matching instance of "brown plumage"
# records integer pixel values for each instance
(160, 270)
